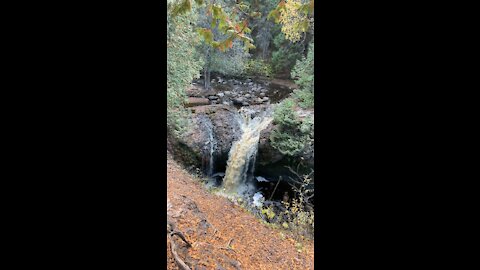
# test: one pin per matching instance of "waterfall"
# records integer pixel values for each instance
(242, 155)
(209, 148)
(212, 149)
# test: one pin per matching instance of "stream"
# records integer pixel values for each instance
(252, 101)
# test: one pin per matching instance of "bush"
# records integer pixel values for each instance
(284, 114)
(292, 134)
(305, 98)
(285, 54)
(303, 72)
(297, 216)
(258, 67)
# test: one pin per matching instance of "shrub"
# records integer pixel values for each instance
(303, 72)
(258, 67)
(285, 53)
(305, 98)
(299, 214)
(292, 135)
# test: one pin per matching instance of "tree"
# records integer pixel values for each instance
(228, 62)
(296, 16)
(234, 25)
(303, 72)
(182, 67)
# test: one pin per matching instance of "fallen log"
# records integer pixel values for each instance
(195, 101)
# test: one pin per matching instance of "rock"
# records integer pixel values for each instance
(220, 94)
(265, 99)
(250, 83)
(194, 101)
(212, 97)
(238, 101)
(248, 95)
(261, 179)
(222, 121)
(226, 103)
(262, 95)
(245, 103)
(224, 82)
(212, 81)
(228, 93)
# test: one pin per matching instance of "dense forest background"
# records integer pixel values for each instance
(259, 39)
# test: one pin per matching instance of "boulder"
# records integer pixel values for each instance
(238, 101)
(195, 101)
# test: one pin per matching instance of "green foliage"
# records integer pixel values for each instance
(258, 67)
(285, 115)
(299, 214)
(295, 16)
(305, 98)
(268, 212)
(292, 134)
(303, 72)
(227, 62)
(285, 54)
(228, 23)
(232, 62)
(182, 67)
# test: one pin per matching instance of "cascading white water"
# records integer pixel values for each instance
(209, 147)
(241, 160)
(212, 149)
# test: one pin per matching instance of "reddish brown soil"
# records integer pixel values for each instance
(211, 222)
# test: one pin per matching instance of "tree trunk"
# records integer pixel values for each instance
(207, 78)
(206, 75)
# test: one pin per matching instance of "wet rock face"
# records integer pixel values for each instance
(195, 145)
(223, 123)
(215, 112)
(226, 131)
(266, 153)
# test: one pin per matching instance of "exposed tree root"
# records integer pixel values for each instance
(173, 247)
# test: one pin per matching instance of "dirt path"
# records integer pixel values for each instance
(223, 235)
